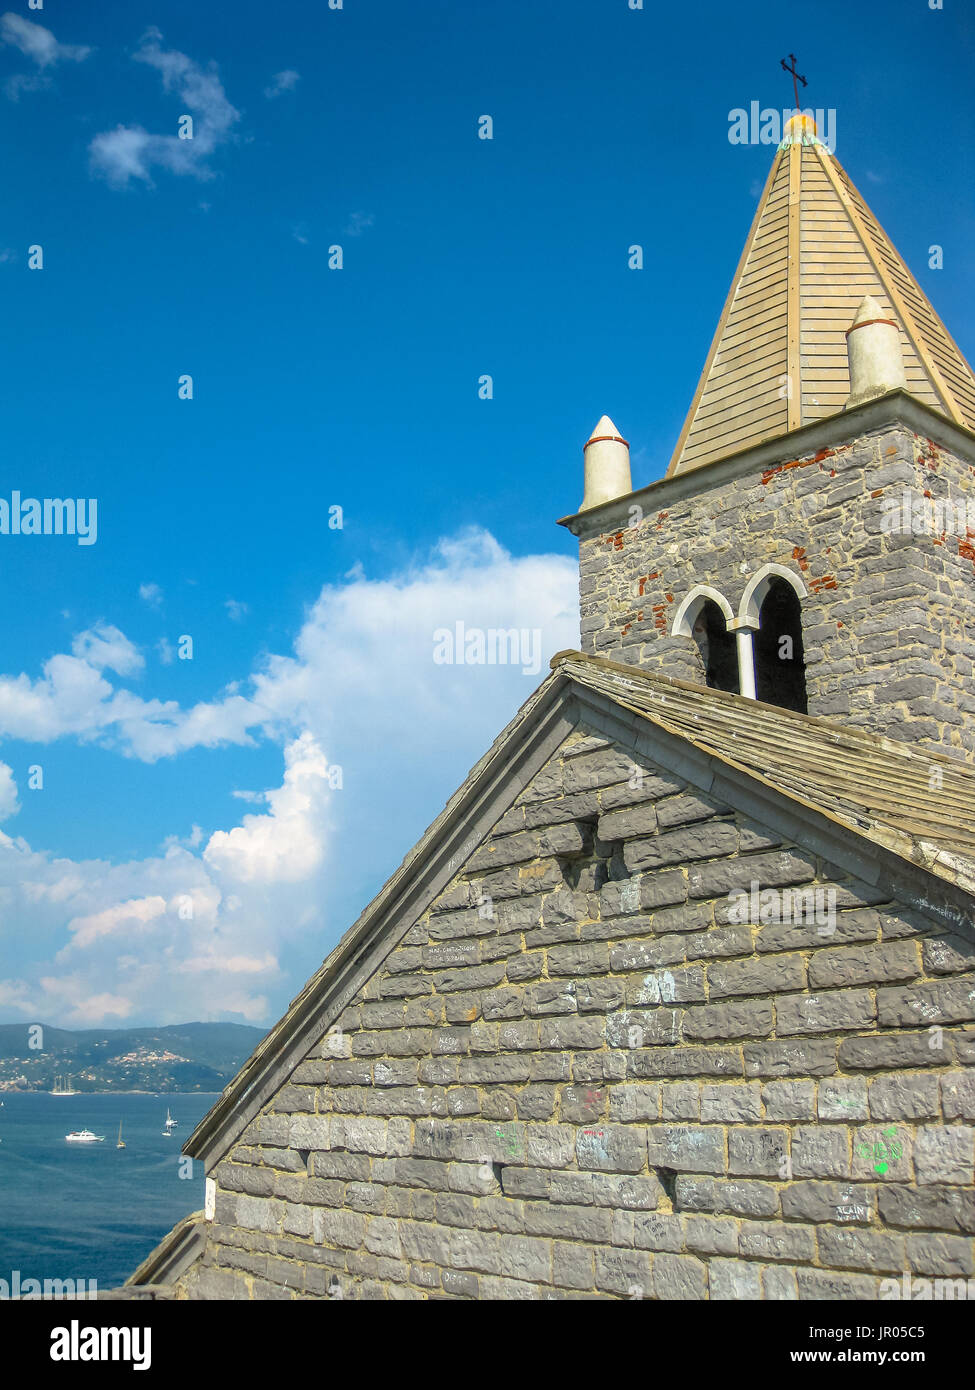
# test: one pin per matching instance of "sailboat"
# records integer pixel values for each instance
(170, 1125)
(121, 1142)
(60, 1089)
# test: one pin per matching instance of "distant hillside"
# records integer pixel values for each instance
(178, 1057)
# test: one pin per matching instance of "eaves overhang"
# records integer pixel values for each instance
(897, 408)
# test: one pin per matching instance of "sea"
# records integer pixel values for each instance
(93, 1211)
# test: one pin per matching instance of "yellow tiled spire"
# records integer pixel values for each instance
(778, 359)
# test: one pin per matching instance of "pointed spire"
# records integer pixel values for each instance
(873, 343)
(778, 359)
(606, 455)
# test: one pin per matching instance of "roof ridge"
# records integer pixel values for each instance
(839, 733)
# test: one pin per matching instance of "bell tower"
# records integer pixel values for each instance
(812, 544)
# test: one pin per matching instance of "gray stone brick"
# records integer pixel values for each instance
(852, 1248)
(946, 955)
(624, 1272)
(731, 1103)
(881, 1153)
(746, 1019)
(756, 1199)
(958, 1095)
(815, 1057)
(479, 1251)
(841, 1203)
(685, 1061)
(710, 1235)
(634, 1103)
(944, 1154)
(824, 1013)
(526, 1258)
(735, 1280)
(774, 1240)
(627, 824)
(587, 1223)
(790, 1100)
(945, 1001)
(892, 1050)
(821, 1151)
(773, 870)
(758, 1153)
(896, 960)
(680, 1100)
(656, 1231)
(843, 1098)
(611, 1148)
(572, 1265)
(910, 1096)
(679, 1277)
(779, 1284)
(627, 1192)
(720, 941)
(687, 1148)
(647, 955)
(705, 841)
(940, 1255)
(769, 975)
(934, 1208)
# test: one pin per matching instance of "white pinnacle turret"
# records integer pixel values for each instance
(873, 345)
(607, 465)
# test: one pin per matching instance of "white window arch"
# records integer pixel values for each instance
(758, 586)
(686, 615)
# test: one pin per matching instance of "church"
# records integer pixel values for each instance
(675, 999)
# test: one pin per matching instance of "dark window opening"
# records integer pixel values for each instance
(718, 648)
(780, 670)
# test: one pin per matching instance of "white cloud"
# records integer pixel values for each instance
(151, 594)
(236, 610)
(357, 223)
(285, 81)
(181, 934)
(105, 647)
(9, 805)
(352, 632)
(286, 844)
(360, 683)
(38, 43)
(130, 152)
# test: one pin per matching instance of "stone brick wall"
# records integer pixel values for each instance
(889, 620)
(579, 1076)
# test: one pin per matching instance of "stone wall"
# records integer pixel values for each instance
(889, 620)
(578, 1076)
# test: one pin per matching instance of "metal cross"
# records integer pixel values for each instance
(796, 77)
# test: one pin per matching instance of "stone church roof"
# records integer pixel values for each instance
(778, 359)
(839, 790)
(917, 804)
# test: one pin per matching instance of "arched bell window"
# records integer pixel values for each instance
(772, 607)
(704, 615)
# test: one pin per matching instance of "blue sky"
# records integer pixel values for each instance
(358, 388)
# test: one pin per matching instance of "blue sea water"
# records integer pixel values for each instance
(92, 1211)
